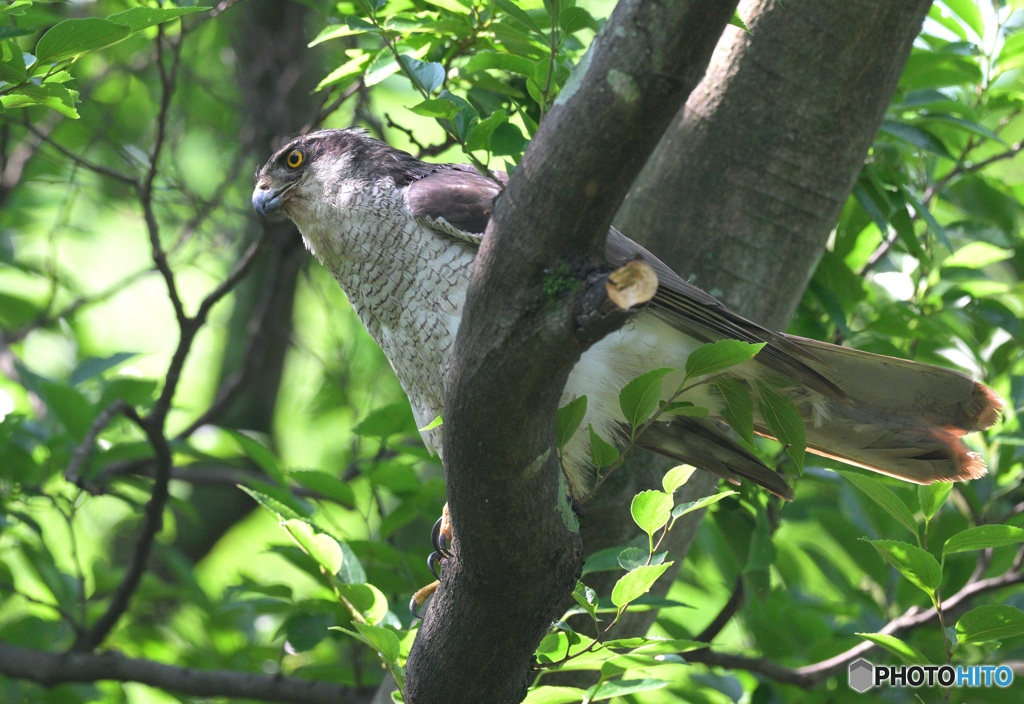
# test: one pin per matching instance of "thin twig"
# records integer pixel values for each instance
(84, 450)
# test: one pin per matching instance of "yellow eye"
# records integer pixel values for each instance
(294, 159)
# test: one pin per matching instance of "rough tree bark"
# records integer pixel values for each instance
(504, 588)
(763, 158)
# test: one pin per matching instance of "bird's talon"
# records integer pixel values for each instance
(420, 598)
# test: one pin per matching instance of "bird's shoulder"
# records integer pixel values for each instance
(455, 199)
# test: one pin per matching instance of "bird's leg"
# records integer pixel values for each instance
(441, 537)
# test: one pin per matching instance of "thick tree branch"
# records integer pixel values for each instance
(51, 669)
(516, 539)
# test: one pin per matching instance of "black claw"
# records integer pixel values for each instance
(436, 537)
(434, 563)
(414, 608)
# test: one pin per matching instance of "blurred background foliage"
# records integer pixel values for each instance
(283, 392)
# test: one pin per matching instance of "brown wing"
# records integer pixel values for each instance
(700, 315)
(457, 193)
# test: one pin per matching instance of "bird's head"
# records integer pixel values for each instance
(298, 171)
(313, 167)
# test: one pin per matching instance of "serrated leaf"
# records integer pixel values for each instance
(283, 512)
(70, 38)
(322, 548)
(897, 647)
(601, 453)
(636, 583)
(683, 509)
(428, 75)
(367, 600)
(737, 407)
(631, 558)
(784, 420)
(885, 498)
(651, 510)
(918, 566)
(639, 398)
(981, 537)
(988, 623)
(676, 477)
(718, 356)
(586, 598)
(932, 496)
(383, 640)
(568, 419)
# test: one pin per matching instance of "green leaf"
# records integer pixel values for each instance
(283, 512)
(427, 75)
(383, 640)
(7, 32)
(322, 548)
(737, 21)
(484, 60)
(676, 477)
(651, 510)
(719, 356)
(639, 398)
(436, 423)
(917, 136)
(885, 498)
(258, 453)
(517, 12)
(620, 688)
(73, 37)
(547, 694)
(738, 408)
(685, 408)
(932, 496)
(981, 537)
(684, 509)
(69, 405)
(94, 366)
(568, 419)
(784, 421)
(601, 453)
(665, 646)
(507, 140)
(436, 107)
(139, 18)
(636, 582)
(586, 598)
(912, 562)
(479, 137)
(49, 95)
(326, 484)
(976, 255)
(371, 604)
(631, 558)
(967, 10)
(12, 63)
(894, 645)
(386, 421)
(990, 623)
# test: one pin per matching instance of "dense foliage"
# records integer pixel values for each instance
(126, 142)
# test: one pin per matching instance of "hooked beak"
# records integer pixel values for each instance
(266, 200)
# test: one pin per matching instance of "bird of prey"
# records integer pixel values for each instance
(399, 235)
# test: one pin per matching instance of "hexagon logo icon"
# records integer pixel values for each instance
(862, 675)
